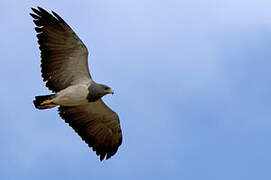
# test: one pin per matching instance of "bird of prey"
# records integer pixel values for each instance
(64, 68)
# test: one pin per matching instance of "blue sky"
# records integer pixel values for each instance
(192, 89)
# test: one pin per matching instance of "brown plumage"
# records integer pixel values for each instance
(99, 132)
(64, 57)
(64, 68)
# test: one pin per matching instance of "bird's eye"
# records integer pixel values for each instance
(106, 88)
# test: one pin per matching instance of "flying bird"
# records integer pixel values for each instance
(64, 68)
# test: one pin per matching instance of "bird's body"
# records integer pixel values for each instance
(73, 95)
(64, 67)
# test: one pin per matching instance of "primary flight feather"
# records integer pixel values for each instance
(64, 68)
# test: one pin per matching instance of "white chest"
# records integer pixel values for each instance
(73, 95)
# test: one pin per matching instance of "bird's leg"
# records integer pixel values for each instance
(47, 102)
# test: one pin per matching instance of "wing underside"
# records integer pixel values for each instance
(97, 125)
(64, 57)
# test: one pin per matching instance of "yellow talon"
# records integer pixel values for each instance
(47, 102)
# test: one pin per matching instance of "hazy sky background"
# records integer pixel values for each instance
(192, 85)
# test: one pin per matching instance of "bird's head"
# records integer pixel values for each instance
(96, 91)
(107, 90)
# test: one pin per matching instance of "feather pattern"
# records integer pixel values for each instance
(97, 125)
(64, 57)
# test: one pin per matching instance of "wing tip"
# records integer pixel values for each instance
(108, 153)
(33, 9)
(40, 8)
(104, 150)
(36, 11)
(34, 16)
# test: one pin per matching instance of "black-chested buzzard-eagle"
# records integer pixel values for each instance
(64, 68)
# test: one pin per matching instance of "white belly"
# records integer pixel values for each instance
(72, 96)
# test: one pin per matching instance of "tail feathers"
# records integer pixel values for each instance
(44, 102)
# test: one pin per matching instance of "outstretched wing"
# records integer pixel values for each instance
(64, 57)
(97, 125)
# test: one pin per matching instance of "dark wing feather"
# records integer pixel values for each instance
(97, 125)
(63, 55)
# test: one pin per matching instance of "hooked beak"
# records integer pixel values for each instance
(110, 91)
